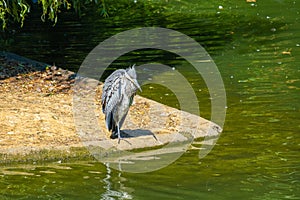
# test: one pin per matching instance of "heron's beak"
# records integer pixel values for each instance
(137, 85)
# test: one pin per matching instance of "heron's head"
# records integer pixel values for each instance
(132, 76)
(131, 72)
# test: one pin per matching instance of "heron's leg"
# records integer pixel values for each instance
(120, 138)
(119, 134)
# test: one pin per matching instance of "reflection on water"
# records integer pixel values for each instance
(84, 179)
(110, 193)
(256, 47)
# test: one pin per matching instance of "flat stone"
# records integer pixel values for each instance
(148, 124)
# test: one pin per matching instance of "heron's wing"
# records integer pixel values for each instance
(112, 90)
(112, 95)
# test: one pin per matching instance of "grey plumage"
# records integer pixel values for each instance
(117, 96)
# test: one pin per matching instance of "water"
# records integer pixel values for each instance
(257, 155)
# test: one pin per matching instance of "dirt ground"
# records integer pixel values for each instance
(35, 108)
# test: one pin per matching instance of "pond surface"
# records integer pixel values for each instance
(256, 47)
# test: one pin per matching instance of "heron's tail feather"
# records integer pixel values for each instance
(109, 121)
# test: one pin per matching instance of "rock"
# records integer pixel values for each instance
(42, 102)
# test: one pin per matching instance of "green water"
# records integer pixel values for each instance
(257, 155)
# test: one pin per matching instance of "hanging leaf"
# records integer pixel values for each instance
(18, 9)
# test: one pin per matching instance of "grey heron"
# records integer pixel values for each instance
(117, 95)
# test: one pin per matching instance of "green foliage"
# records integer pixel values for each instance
(51, 8)
(17, 10)
(3, 11)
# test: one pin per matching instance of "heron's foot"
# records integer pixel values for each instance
(114, 135)
(123, 139)
(123, 136)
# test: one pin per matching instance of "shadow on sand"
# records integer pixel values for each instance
(128, 133)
